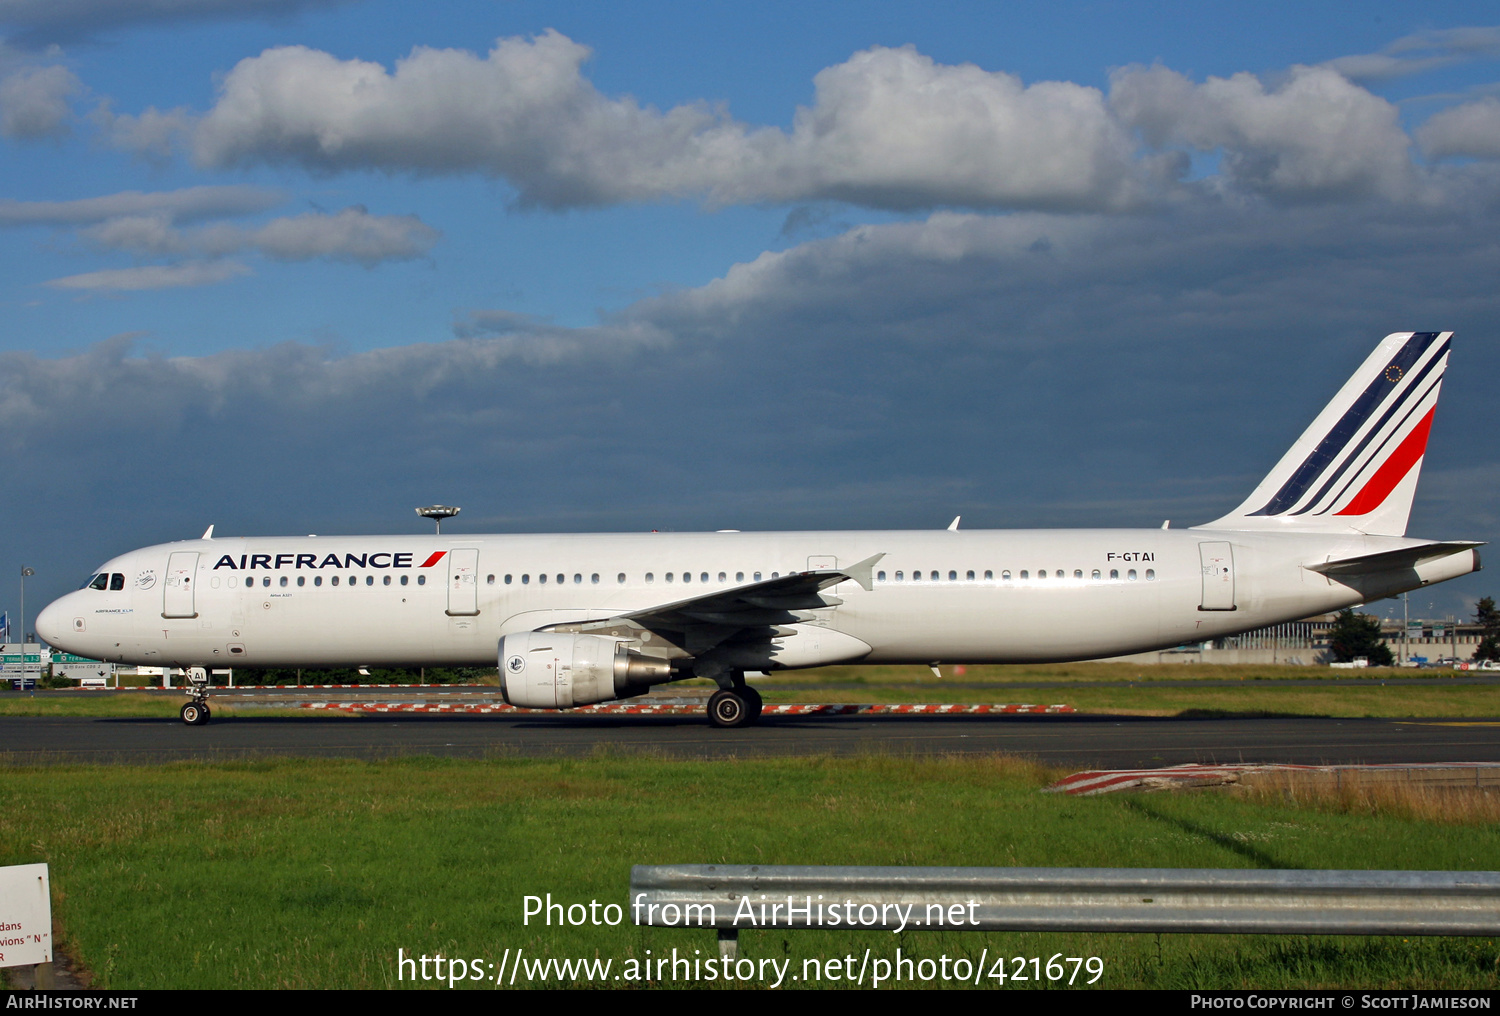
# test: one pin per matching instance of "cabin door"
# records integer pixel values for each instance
(463, 582)
(1218, 576)
(177, 591)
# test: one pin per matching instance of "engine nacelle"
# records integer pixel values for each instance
(548, 670)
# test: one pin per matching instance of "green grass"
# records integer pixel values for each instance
(313, 873)
(1127, 688)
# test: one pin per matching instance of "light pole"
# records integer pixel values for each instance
(25, 571)
(437, 513)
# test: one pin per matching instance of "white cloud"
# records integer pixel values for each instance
(42, 21)
(186, 205)
(1472, 130)
(350, 235)
(152, 135)
(193, 273)
(889, 128)
(34, 102)
(1420, 52)
(1315, 135)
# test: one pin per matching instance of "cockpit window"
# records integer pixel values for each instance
(100, 581)
(116, 582)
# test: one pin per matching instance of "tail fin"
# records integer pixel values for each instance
(1355, 468)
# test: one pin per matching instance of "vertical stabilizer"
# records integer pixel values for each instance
(1355, 468)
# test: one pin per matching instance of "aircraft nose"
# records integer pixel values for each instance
(53, 625)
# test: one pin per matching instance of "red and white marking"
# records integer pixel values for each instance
(1103, 781)
(692, 709)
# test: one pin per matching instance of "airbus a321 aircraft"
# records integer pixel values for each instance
(578, 619)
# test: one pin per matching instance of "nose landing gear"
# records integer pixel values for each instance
(196, 712)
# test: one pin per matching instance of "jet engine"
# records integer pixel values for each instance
(549, 670)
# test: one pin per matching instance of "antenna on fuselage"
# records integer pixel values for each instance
(437, 513)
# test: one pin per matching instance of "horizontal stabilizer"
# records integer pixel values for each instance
(1391, 560)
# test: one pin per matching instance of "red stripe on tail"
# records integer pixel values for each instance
(1392, 472)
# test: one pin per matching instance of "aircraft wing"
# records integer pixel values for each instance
(699, 623)
(1390, 560)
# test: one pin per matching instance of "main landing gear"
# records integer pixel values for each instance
(196, 712)
(737, 706)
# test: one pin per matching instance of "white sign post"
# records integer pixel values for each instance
(25, 915)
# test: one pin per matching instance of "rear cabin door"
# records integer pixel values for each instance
(177, 592)
(1218, 576)
(463, 582)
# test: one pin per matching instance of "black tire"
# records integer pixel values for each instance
(193, 714)
(753, 700)
(727, 709)
(208, 714)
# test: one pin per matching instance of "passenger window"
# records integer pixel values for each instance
(953, 576)
(1130, 575)
(739, 576)
(620, 578)
(560, 579)
(318, 580)
(1114, 574)
(669, 576)
(542, 578)
(650, 578)
(776, 575)
(334, 580)
(1041, 574)
(421, 580)
(507, 579)
(594, 578)
(916, 575)
(266, 581)
(101, 581)
(971, 576)
(934, 576)
(386, 580)
(989, 576)
(283, 582)
(687, 576)
(1025, 574)
(1078, 573)
(1150, 574)
(116, 582)
(405, 577)
(1005, 576)
(489, 580)
(900, 576)
(302, 580)
(525, 580)
(722, 577)
(577, 579)
(1096, 575)
(703, 577)
(880, 576)
(757, 576)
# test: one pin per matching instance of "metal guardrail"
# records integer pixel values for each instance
(733, 898)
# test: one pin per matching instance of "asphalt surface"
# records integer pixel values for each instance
(1079, 742)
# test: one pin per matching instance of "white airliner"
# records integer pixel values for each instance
(578, 619)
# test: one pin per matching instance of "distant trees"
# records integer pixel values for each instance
(1488, 619)
(1355, 635)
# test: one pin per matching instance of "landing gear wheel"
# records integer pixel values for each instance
(194, 715)
(752, 701)
(728, 709)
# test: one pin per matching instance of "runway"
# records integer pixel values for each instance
(1074, 741)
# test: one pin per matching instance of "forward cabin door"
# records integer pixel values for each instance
(177, 591)
(1218, 576)
(463, 582)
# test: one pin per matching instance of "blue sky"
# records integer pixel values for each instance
(292, 266)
